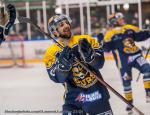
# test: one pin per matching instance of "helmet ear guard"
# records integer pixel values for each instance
(112, 19)
(54, 22)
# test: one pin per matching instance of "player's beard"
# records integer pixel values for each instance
(66, 34)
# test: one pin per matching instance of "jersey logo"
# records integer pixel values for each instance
(129, 46)
(52, 71)
(141, 61)
(82, 78)
(89, 97)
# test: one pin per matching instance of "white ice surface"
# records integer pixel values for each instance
(30, 89)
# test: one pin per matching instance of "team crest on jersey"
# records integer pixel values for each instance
(129, 46)
(82, 78)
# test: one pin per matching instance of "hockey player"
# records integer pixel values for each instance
(6, 21)
(121, 41)
(84, 94)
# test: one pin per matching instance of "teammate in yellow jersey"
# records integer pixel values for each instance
(84, 94)
(120, 39)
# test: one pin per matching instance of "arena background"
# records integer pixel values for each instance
(24, 83)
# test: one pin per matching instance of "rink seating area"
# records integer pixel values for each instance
(32, 51)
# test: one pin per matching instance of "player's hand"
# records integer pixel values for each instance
(12, 17)
(86, 50)
(65, 59)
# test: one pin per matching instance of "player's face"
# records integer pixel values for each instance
(64, 29)
(121, 21)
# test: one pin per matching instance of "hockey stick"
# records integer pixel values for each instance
(138, 77)
(97, 75)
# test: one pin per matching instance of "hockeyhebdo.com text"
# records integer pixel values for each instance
(33, 111)
(42, 111)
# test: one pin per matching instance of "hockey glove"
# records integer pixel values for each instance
(130, 33)
(1, 34)
(65, 59)
(86, 50)
(12, 18)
